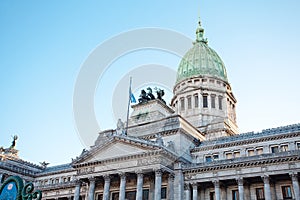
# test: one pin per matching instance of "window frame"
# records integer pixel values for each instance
(205, 100)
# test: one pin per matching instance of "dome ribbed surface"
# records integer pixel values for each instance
(201, 60)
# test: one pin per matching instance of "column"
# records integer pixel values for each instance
(139, 186)
(195, 191)
(267, 188)
(240, 182)
(106, 187)
(187, 191)
(178, 181)
(295, 183)
(157, 195)
(77, 190)
(122, 186)
(217, 189)
(92, 188)
(170, 190)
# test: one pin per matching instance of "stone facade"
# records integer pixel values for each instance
(191, 150)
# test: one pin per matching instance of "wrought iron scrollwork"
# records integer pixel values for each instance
(29, 194)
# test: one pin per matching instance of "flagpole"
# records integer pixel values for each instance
(129, 95)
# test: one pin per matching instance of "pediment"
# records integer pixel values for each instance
(115, 149)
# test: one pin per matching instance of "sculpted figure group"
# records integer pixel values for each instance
(147, 96)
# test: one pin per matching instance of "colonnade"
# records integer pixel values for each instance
(122, 189)
(192, 190)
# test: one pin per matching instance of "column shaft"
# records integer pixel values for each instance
(178, 182)
(241, 188)
(171, 187)
(106, 188)
(187, 191)
(122, 187)
(139, 187)
(296, 186)
(267, 188)
(217, 190)
(77, 190)
(92, 189)
(157, 195)
(195, 191)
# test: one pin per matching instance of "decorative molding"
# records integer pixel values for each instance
(279, 133)
(243, 162)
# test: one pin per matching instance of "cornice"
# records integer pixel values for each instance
(245, 141)
(244, 162)
(126, 158)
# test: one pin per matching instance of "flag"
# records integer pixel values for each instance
(132, 98)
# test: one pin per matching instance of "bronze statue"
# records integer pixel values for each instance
(147, 96)
(143, 97)
(13, 143)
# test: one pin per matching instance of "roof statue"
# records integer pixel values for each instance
(147, 96)
(120, 127)
(13, 143)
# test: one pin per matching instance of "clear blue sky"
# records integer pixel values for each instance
(44, 43)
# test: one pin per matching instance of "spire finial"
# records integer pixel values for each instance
(200, 33)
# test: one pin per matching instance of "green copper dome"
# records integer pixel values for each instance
(201, 60)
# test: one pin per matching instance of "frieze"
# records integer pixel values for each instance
(86, 170)
(148, 161)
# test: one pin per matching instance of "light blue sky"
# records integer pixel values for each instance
(44, 43)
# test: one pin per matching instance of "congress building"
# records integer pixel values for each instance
(186, 149)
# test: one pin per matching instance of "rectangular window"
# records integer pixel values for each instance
(164, 193)
(259, 151)
(251, 152)
(189, 99)
(274, 149)
(235, 195)
(130, 195)
(284, 147)
(286, 192)
(208, 159)
(216, 157)
(298, 145)
(212, 196)
(236, 154)
(205, 104)
(115, 196)
(196, 101)
(229, 155)
(145, 194)
(213, 101)
(182, 104)
(260, 194)
(220, 102)
(99, 196)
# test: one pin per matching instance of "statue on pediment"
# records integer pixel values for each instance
(120, 127)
